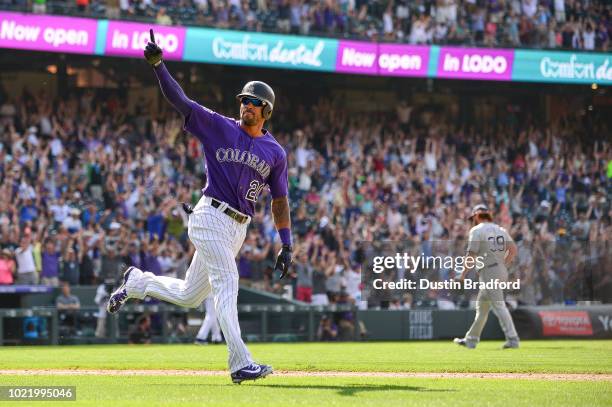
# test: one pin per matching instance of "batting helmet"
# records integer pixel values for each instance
(479, 209)
(261, 91)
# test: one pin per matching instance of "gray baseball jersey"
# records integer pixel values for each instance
(490, 241)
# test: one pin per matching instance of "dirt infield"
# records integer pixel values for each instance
(296, 373)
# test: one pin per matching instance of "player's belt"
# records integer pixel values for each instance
(238, 217)
(491, 265)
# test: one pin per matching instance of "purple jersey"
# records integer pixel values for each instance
(238, 166)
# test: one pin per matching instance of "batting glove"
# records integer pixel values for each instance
(153, 53)
(283, 261)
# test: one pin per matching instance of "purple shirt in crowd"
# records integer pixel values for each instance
(238, 166)
(50, 264)
(150, 263)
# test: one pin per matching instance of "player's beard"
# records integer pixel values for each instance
(249, 118)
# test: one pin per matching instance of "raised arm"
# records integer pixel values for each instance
(173, 91)
(170, 87)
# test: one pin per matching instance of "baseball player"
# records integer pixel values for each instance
(497, 250)
(209, 324)
(241, 159)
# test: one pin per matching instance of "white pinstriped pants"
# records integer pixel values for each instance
(217, 239)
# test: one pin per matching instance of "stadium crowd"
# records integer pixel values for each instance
(568, 24)
(86, 188)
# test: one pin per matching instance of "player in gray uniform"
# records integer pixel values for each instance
(497, 249)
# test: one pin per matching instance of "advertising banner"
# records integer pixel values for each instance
(566, 323)
(403, 60)
(562, 67)
(589, 321)
(130, 39)
(44, 33)
(367, 58)
(117, 38)
(357, 57)
(475, 63)
(262, 50)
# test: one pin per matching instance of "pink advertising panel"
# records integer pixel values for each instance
(475, 63)
(46, 33)
(402, 60)
(357, 57)
(130, 39)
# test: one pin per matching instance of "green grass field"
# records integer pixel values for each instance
(541, 357)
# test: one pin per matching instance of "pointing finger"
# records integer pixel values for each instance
(152, 36)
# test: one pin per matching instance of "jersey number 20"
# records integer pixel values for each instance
(255, 188)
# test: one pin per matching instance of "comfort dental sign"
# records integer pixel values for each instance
(56, 34)
(560, 67)
(265, 50)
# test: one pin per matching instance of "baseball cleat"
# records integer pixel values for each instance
(511, 344)
(119, 296)
(251, 372)
(464, 342)
(200, 342)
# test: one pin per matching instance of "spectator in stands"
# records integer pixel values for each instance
(346, 319)
(50, 259)
(133, 257)
(319, 289)
(26, 267)
(395, 305)
(162, 18)
(82, 5)
(602, 38)
(327, 331)
(39, 6)
(113, 9)
(111, 259)
(588, 37)
(304, 272)
(284, 15)
(67, 301)
(68, 305)
(253, 256)
(150, 256)
(141, 334)
(72, 223)
(333, 281)
(70, 265)
(7, 267)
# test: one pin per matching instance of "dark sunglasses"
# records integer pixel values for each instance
(254, 101)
